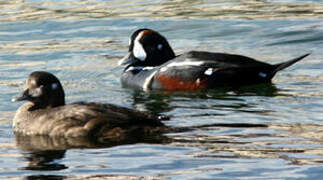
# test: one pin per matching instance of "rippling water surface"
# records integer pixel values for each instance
(265, 131)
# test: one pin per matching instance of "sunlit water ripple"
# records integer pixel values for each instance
(266, 131)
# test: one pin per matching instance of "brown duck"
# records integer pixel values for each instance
(47, 114)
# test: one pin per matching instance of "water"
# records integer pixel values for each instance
(268, 131)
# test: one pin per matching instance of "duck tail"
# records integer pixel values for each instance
(281, 66)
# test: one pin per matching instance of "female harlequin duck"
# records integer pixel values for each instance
(47, 114)
(152, 64)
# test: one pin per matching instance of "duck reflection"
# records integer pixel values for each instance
(45, 160)
(160, 102)
(47, 177)
(42, 152)
(153, 102)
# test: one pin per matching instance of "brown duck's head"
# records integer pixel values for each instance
(43, 89)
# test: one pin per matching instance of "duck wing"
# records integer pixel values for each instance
(93, 119)
(198, 70)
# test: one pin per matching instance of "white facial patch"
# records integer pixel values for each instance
(138, 49)
(37, 92)
(209, 71)
(54, 86)
(32, 82)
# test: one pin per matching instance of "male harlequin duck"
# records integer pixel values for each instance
(152, 64)
(47, 114)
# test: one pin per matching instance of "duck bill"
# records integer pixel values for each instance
(21, 97)
(127, 59)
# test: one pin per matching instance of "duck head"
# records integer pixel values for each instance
(147, 48)
(43, 90)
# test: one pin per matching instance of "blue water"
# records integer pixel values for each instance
(81, 42)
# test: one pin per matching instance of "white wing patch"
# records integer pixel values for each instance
(138, 49)
(209, 71)
(184, 63)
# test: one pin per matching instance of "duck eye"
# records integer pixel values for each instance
(54, 86)
(159, 46)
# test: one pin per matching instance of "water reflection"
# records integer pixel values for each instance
(159, 102)
(41, 152)
(297, 144)
(154, 102)
(41, 143)
(45, 160)
(47, 177)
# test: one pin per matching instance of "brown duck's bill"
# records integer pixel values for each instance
(21, 97)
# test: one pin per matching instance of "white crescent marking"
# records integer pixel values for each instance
(148, 81)
(138, 50)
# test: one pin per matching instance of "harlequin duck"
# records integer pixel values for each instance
(47, 114)
(152, 64)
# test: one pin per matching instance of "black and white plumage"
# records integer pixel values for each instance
(152, 64)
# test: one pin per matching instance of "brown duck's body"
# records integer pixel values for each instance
(80, 119)
(44, 116)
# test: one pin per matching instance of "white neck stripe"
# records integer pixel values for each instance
(148, 81)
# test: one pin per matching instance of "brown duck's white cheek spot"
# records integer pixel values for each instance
(32, 83)
(138, 49)
(37, 92)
